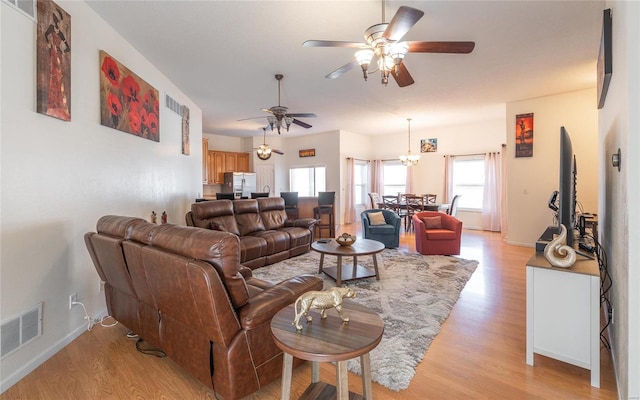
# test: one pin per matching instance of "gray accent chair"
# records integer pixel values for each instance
(388, 234)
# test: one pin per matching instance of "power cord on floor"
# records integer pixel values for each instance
(91, 321)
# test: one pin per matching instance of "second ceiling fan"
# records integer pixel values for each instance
(383, 43)
(281, 117)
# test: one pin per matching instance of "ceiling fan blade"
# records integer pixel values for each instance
(300, 123)
(277, 151)
(441, 47)
(338, 72)
(334, 43)
(267, 110)
(405, 18)
(404, 77)
(246, 119)
(302, 115)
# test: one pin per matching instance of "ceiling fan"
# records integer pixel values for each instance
(263, 151)
(280, 117)
(383, 42)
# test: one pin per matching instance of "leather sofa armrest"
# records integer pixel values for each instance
(263, 306)
(245, 272)
(301, 222)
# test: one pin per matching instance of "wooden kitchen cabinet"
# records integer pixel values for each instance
(205, 161)
(226, 161)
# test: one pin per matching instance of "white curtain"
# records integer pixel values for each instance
(409, 183)
(503, 200)
(377, 183)
(349, 207)
(491, 203)
(448, 179)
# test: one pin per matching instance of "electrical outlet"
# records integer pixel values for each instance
(100, 285)
(73, 297)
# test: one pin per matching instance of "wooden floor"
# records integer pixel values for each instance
(479, 353)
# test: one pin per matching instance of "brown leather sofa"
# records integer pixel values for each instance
(182, 289)
(266, 234)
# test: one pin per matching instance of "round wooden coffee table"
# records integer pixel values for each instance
(361, 247)
(328, 339)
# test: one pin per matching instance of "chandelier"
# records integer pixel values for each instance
(409, 159)
(389, 55)
(264, 151)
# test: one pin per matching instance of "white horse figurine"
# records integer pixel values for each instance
(558, 253)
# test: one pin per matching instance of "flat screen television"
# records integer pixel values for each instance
(567, 186)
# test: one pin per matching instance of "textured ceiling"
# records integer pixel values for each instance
(224, 55)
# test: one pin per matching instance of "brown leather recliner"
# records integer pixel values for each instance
(211, 316)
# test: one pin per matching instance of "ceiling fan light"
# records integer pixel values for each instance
(288, 120)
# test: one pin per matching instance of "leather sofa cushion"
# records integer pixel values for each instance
(221, 249)
(277, 241)
(272, 212)
(247, 216)
(252, 247)
(115, 225)
(440, 234)
(219, 211)
(262, 307)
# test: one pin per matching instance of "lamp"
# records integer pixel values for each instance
(279, 115)
(264, 151)
(409, 159)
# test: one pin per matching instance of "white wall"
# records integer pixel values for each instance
(59, 177)
(619, 216)
(428, 174)
(531, 180)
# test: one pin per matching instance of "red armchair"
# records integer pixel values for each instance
(437, 233)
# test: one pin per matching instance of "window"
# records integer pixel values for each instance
(307, 181)
(394, 178)
(360, 182)
(468, 181)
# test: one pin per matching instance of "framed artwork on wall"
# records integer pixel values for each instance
(605, 65)
(186, 146)
(428, 145)
(53, 59)
(524, 135)
(127, 102)
(307, 153)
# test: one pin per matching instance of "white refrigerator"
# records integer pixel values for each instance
(239, 183)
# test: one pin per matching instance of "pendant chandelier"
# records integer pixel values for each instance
(409, 159)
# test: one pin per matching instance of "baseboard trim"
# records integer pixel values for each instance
(35, 362)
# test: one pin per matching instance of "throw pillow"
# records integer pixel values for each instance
(376, 218)
(432, 222)
(217, 227)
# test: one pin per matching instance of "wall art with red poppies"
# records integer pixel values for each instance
(127, 102)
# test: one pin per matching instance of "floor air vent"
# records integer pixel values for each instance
(20, 330)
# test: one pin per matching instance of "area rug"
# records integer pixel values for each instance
(414, 297)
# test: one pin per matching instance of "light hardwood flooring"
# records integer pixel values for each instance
(479, 353)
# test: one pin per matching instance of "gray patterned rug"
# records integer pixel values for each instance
(414, 297)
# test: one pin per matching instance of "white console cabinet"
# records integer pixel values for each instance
(563, 313)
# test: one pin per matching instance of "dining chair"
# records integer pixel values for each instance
(376, 200)
(453, 208)
(290, 204)
(326, 201)
(414, 204)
